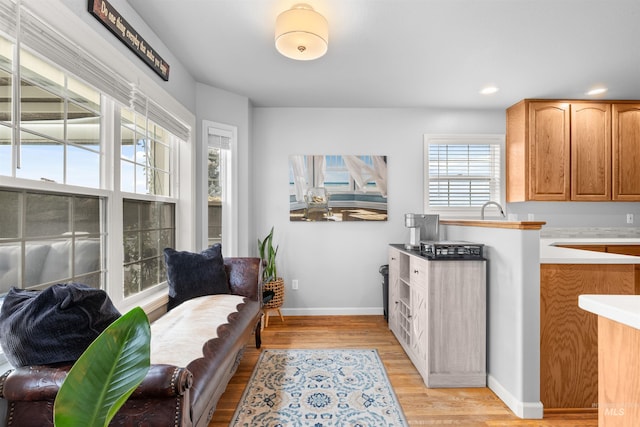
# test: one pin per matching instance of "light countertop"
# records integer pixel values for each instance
(550, 253)
(623, 309)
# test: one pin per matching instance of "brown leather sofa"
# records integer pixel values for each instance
(170, 395)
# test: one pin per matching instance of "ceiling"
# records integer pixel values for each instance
(409, 53)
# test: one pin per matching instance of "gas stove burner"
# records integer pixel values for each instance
(451, 250)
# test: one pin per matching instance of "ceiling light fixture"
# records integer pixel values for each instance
(489, 90)
(302, 33)
(597, 91)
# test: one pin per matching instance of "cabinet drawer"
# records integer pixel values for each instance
(418, 272)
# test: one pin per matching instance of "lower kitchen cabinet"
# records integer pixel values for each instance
(569, 335)
(437, 311)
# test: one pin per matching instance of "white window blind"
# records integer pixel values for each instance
(8, 17)
(145, 106)
(462, 172)
(39, 37)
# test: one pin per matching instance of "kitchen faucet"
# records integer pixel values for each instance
(491, 203)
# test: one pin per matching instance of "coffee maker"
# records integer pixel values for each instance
(421, 227)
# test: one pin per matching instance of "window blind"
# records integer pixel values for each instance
(168, 121)
(39, 37)
(141, 104)
(8, 17)
(462, 174)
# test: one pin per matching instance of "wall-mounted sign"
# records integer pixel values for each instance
(110, 18)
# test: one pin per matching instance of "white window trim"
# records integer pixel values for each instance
(230, 214)
(463, 139)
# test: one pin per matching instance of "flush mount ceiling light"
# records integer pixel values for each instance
(302, 33)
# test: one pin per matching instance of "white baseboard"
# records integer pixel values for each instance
(332, 311)
(526, 410)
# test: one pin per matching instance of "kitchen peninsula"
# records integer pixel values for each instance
(512, 250)
(530, 309)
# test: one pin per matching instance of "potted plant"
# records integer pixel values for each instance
(270, 280)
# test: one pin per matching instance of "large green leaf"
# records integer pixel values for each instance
(106, 374)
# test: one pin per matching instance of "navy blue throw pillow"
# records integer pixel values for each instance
(192, 275)
(54, 325)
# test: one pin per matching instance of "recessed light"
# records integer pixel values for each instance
(597, 91)
(489, 90)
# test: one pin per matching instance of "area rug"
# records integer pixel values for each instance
(319, 388)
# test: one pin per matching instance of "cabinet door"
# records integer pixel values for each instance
(569, 335)
(590, 151)
(419, 338)
(549, 151)
(626, 152)
(394, 278)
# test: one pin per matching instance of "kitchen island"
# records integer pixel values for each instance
(618, 357)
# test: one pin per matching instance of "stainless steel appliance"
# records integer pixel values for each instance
(421, 227)
(458, 250)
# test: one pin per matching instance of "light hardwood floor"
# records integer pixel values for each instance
(422, 406)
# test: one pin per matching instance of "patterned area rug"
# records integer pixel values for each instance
(319, 388)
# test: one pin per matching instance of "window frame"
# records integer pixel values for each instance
(464, 139)
(230, 185)
(182, 159)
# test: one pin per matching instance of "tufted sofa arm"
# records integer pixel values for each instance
(32, 390)
(43, 382)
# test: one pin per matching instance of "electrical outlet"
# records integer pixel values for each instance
(629, 218)
(294, 284)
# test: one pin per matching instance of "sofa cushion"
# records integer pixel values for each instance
(178, 336)
(53, 325)
(192, 275)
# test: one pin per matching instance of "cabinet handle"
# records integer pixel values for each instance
(416, 271)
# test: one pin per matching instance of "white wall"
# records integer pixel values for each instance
(337, 263)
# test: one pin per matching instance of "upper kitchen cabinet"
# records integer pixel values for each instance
(573, 150)
(538, 151)
(626, 152)
(590, 151)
